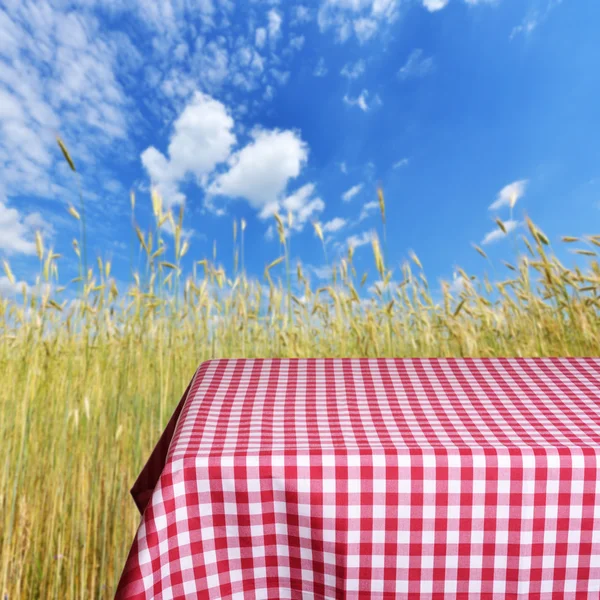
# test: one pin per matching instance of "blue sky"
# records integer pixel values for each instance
(240, 109)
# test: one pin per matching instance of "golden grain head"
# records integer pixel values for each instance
(39, 245)
(73, 212)
(381, 202)
(184, 248)
(8, 271)
(416, 260)
(480, 250)
(318, 230)
(66, 154)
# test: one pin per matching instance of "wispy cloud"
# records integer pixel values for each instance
(17, 231)
(403, 162)
(363, 18)
(367, 209)
(274, 26)
(434, 5)
(297, 42)
(260, 37)
(509, 194)
(533, 19)
(353, 191)
(334, 225)
(353, 71)
(458, 284)
(361, 101)
(320, 69)
(498, 234)
(416, 65)
(356, 241)
(526, 27)
(301, 14)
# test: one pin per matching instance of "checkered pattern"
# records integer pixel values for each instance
(377, 478)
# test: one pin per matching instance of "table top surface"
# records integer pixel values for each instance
(374, 478)
(243, 407)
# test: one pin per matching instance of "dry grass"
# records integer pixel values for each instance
(88, 388)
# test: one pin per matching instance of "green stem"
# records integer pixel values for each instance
(83, 227)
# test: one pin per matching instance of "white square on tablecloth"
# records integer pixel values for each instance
(253, 485)
(260, 572)
(353, 561)
(450, 586)
(160, 522)
(354, 486)
(329, 511)
(189, 587)
(283, 571)
(499, 586)
(183, 539)
(428, 511)
(256, 508)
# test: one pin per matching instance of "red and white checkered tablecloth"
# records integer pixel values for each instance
(375, 478)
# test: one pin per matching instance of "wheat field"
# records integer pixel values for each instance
(89, 385)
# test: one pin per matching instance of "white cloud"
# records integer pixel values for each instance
(531, 21)
(433, 5)
(458, 284)
(367, 209)
(260, 171)
(416, 66)
(400, 163)
(17, 231)
(202, 139)
(343, 168)
(7, 288)
(320, 69)
(281, 78)
(60, 78)
(334, 225)
(269, 93)
(509, 193)
(526, 27)
(356, 241)
(302, 204)
(301, 15)
(353, 71)
(299, 198)
(353, 191)
(361, 101)
(361, 17)
(274, 24)
(260, 36)
(322, 272)
(297, 42)
(498, 234)
(365, 29)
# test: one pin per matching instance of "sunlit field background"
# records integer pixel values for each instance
(87, 386)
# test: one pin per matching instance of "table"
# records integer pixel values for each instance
(374, 478)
